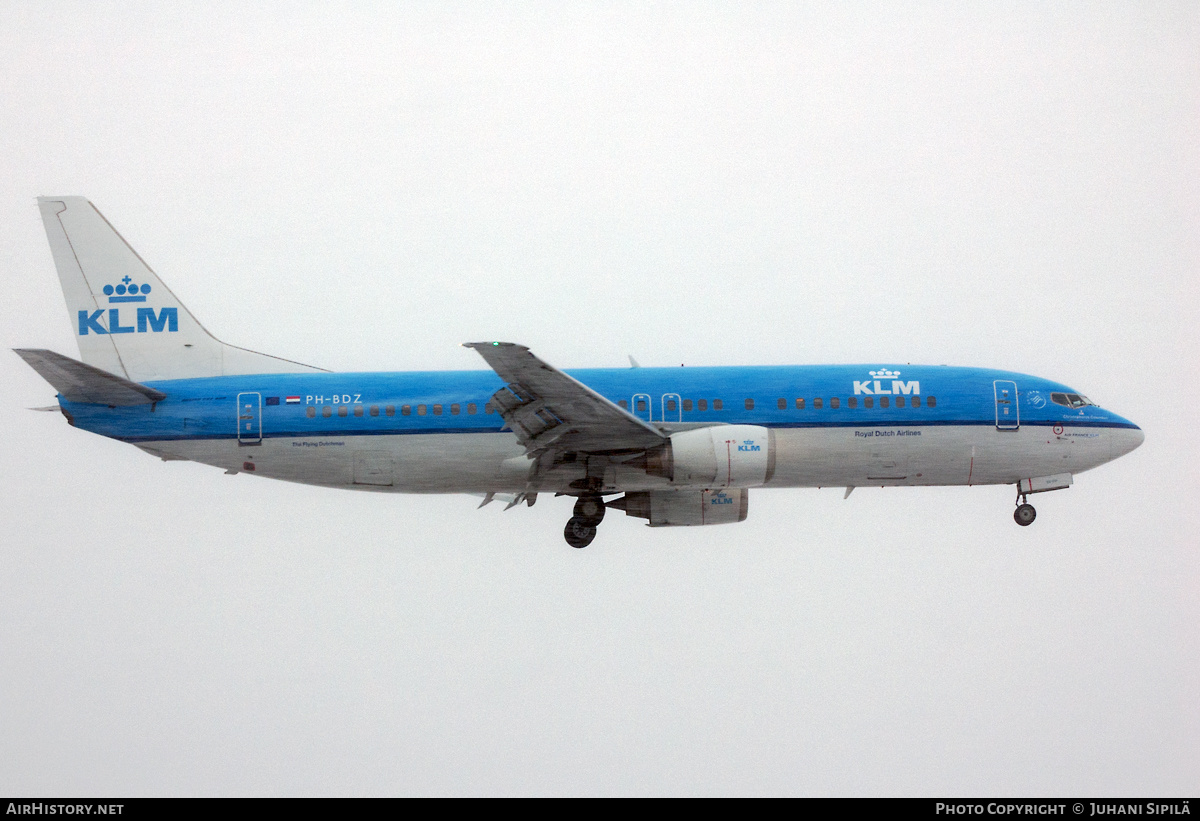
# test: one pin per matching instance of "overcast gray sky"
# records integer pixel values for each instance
(366, 188)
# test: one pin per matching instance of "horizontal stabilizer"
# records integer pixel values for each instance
(77, 382)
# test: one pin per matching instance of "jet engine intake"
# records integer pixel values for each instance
(718, 456)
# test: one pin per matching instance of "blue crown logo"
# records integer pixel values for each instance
(126, 291)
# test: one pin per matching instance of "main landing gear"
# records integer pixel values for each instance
(1024, 514)
(581, 528)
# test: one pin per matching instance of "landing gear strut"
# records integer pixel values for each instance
(581, 528)
(1024, 514)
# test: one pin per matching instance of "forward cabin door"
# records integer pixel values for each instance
(1008, 413)
(249, 413)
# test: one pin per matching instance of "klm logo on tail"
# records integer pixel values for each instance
(166, 319)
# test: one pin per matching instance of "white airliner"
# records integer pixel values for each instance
(675, 446)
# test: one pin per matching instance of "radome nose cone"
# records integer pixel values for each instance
(1126, 440)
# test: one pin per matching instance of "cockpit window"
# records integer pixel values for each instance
(1070, 400)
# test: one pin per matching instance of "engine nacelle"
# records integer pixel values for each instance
(719, 456)
(675, 508)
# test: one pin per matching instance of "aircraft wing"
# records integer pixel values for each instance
(547, 409)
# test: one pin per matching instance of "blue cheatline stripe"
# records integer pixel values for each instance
(452, 431)
(934, 423)
(308, 434)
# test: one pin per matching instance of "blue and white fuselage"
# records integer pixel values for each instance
(683, 445)
(437, 431)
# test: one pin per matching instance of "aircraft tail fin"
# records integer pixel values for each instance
(79, 382)
(126, 321)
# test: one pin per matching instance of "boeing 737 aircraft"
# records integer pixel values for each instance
(674, 446)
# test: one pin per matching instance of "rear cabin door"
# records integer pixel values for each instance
(1008, 413)
(249, 414)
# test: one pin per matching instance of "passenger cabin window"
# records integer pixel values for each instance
(799, 404)
(884, 402)
(641, 405)
(343, 410)
(421, 410)
(718, 404)
(687, 404)
(437, 410)
(310, 411)
(818, 404)
(781, 404)
(471, 408)
(358, 411)
(455, 409)
(749, 404)
(406, 410)
(835, 402)
(899, 401)
(671, 404)
(1070, 400)
(623, 403)
(390, 410)
(931, 401)
(852, 402)
(868, 401)
(702, 404)
(326, 412)
(374, 410)
(488, 408)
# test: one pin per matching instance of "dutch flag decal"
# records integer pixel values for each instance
(293, 400)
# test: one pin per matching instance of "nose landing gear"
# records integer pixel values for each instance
(1024, 514)
(581, 528)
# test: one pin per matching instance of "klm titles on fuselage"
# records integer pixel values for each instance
(875, 387)
(147, 320)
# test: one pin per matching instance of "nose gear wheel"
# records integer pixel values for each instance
(1024, 515)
